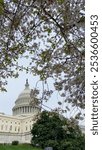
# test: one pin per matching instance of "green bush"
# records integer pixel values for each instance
(52, 143)
(15, 142)
(61, 134)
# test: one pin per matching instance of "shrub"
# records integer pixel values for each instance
(60, 133)
(52, 143)
(15, 142)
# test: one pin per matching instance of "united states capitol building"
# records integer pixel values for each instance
(18, 126)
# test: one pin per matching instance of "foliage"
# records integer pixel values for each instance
(57, 132)
(52, 32)
(15, 142)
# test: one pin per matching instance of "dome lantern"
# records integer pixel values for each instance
(27, 84)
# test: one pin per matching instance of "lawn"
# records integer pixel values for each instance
(17, 147)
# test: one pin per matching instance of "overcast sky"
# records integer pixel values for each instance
(16, 86)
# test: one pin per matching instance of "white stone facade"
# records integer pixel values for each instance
(18, 127)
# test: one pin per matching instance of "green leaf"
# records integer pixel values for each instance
(1, 7)
(2, 2)
(60, 1)
(49, 30)
(3, 89)
(15, 1)
(1, 10)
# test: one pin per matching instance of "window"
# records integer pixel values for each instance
(19, 129)
(10, 127)
(26, 137)
(15, 128)
(30, 127)
(26, 128)
(1, 127)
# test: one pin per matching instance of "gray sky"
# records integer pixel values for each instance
(14, 88)
(16, 85)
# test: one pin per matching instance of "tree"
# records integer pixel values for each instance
(58, 132)
(57, 25)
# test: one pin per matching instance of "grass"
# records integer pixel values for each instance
(18, 147)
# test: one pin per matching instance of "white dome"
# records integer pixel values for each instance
(24, 97)
(23, 102)
(25, 93)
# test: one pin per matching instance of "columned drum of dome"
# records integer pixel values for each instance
(23, 103)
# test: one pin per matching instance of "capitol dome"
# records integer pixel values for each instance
(23, 103)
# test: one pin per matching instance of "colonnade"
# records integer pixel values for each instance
(23, 110)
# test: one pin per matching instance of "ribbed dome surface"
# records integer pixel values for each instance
(24, 97)
(22, 104)
(25, 93)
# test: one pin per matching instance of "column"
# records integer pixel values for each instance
(31, 108)
(20, 110)
(25, 110)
